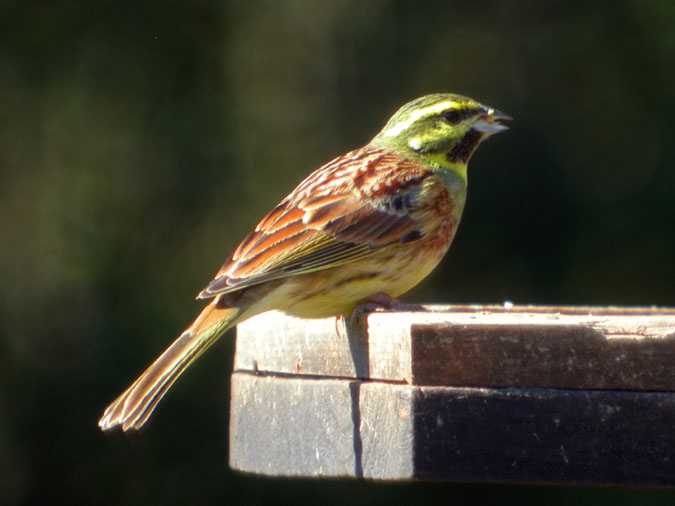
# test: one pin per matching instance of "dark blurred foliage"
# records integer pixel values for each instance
(140, 141)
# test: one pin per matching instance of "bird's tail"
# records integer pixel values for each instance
(133, 408)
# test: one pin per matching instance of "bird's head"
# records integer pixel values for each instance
(442, 129)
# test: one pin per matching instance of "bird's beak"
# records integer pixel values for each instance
(490, 122)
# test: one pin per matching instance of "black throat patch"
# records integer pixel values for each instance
(465, 148)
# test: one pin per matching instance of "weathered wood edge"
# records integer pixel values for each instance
(509, 307)
(536, 346)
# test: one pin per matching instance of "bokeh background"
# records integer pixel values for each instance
(140, 141)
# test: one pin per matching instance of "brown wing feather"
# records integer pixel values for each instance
(340, 213)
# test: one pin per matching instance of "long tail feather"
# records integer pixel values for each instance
(133, 408)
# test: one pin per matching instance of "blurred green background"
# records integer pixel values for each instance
(140, 141)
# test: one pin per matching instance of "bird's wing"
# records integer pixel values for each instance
(343, 212)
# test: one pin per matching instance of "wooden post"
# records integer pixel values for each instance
(461, 393)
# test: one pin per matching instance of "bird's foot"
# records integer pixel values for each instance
(358, 320)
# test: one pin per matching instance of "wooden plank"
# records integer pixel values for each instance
(546, 356)
(278, 343)
(545, 436)
(548, 347)
(329, 427)
(295, 426)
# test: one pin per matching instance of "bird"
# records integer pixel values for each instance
(364, 227)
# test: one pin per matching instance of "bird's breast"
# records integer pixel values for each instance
(439, 211)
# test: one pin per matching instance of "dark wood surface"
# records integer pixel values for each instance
(290, 426)
(470, 393)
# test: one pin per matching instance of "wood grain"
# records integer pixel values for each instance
(590, 348)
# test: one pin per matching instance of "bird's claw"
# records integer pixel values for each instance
(358, 320)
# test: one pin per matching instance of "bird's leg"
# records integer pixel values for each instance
(380, 301)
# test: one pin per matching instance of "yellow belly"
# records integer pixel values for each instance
(337, 291)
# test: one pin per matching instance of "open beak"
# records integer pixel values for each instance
(490, 122)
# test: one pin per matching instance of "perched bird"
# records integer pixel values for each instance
(372, 222)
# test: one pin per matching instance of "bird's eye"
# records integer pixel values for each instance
(455, 116)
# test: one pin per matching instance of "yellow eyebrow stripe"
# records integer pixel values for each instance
(416, 115)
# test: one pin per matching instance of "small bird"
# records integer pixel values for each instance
(366, 226)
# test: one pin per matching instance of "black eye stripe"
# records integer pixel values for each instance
(455, 116)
